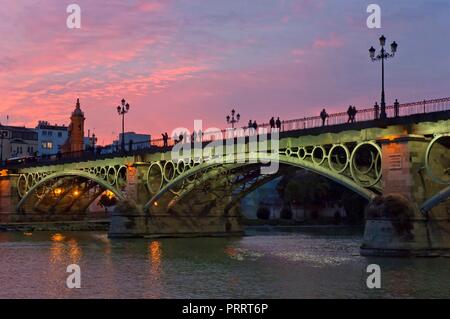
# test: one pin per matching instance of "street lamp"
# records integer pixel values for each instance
(94, 141)
(233, 120)
(122, 110)
(383, 55)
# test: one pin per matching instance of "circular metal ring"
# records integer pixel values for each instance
(103, 172)
(181, 167)
(330, 157)
(324, 155)
(111, 175)
(30, 180)
(288, 151)
(22, 180)
(430, 173)
(302, 153)
(119, 184)
(155, 170)
(353, 165)
(169, 171)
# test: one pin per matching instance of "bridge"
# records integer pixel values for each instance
(401, 165)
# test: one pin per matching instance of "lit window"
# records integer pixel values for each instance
(47, 145)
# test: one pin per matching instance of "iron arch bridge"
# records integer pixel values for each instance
(354, 165)
(163, 183)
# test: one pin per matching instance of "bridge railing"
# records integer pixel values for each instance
(367, 114)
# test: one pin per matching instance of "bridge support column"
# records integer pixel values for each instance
(394, 224)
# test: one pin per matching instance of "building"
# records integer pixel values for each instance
(50, 138)
(135, 140)
(16, 141)
(75, 139)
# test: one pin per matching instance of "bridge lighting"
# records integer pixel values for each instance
(57, 191)
(155, 204)
(122, 110)
(109, 194)
(383, 55)
(76, 193)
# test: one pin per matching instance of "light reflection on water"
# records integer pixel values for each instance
(267, 263)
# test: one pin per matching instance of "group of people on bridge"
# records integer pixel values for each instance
(276, 124)
(352, 111)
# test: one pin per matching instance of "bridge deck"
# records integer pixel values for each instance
(336, 128)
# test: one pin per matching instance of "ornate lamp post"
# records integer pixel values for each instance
(122, 110)
(233, 120)
(3, 135)
(94, 141)
(383, 55)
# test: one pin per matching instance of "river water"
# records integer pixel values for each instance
(266, 263)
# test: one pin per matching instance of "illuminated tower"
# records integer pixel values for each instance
(75, 141)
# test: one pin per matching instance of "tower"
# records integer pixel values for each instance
(75, 140)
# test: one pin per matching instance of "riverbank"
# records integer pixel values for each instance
(84, 225)
(103, 225)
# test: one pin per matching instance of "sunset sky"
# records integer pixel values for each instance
(180, 60)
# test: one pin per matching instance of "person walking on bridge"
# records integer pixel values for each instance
(353, 114)
(255, 126)
(165, 138)
(376, 110)
(278, 124)
(349, 113)
(250, 127)
(323, 116)
(272, 123)
(396, 108)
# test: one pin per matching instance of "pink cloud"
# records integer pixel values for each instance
(333, 41)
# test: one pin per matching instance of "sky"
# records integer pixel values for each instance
(176, 61)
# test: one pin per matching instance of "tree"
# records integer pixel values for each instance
(286, 213)
(263, 213)
(107, 200)
(354, 206)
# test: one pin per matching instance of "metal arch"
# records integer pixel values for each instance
(427, 160)
(248, 190)
(435, 200)
(204, 178)
(70, 173)
(179, 179)
(283, 159)
(157, 164)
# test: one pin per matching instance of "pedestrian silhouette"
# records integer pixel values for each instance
(376, 109)
(272, 123)
(278, 123)
(255, 126)
(396, 108)
(323, 116)
(165, 138)
(349, 113)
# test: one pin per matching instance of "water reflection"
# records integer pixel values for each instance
(264, 265)
(155, 255)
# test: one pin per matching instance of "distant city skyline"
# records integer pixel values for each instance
(176, 61)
